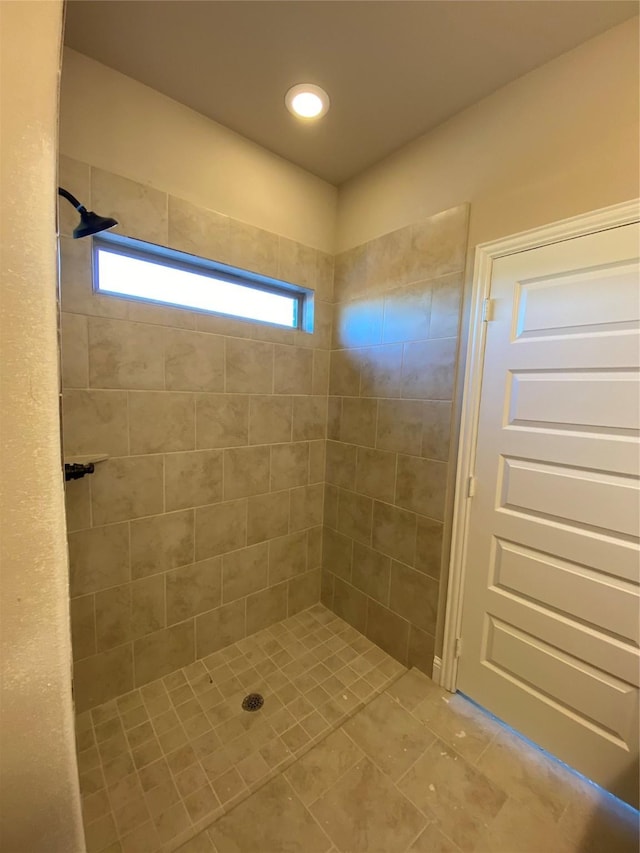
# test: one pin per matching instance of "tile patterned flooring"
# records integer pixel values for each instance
(162, 762)
(387, 762)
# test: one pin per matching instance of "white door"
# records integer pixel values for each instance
(550, 624)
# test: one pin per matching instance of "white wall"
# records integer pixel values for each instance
(39, 794)
(118, 124)
(558, 141)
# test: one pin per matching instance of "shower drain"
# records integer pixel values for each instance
(252, 702)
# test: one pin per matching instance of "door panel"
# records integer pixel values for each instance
(551, 598)
(568, 588)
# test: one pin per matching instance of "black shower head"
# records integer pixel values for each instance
(90, 222)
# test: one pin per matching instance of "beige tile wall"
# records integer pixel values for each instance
(205, 523)
(395, 337)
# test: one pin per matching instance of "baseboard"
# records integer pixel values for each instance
(437, 667)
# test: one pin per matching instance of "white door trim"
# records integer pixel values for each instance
(485, 254)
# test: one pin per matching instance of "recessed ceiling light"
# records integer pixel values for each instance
(307, 101)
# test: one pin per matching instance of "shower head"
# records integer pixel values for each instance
(90, 222)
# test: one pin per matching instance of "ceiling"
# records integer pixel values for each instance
(393, 70)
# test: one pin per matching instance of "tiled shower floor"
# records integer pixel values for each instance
(350, 754)
(162, 762)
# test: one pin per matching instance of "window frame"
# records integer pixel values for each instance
(303, 297)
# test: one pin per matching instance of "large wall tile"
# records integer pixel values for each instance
(128, 487)
(147, 606)
(439, 244)
(293, 370)
(99, 678)
(193, 589)
(76, 284)
(394, 531)
(337, 553)
(244, 572)
(113, 617)
(95, 421)
(358, 423)
(98, 558)
(321, 360)
(400, 424)
(303, 591)
(421, 486)
(317, 460)
(220, 627)
(253, 248)
(376, 473)
(159, 314)
(326, 588)
(358, 323)
(350, 604)
(309, 418)
(287, 557)
(192, 479)
(83, 626)
(445, 307)
(421, 650)
(322, 328)
(297, 263)
(330, 518)
(268, 516)
(266, 607)
(193, 361)
(428, 369)
(220, 528)
(246, 471)
(388, 630)
(324, 277)
(125, 355)
(222, 420)
(429, 536)
(389, 262)
(306, 506)
(161, 543)
(161, 422)
(381, 371)
(414, 596)
(164, 652)
(141, 211)
(77, 499)
(198, 231)
(371, 572)
(129, 611)
(341, 464)
(407, 312)
(74, 340)
(436, 429)
(314, 548)
(350, 273)
(270, 419)
(289, 465)
(355, 516)
(344, 373)
(248, 367)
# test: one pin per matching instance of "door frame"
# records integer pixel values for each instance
(485, 255)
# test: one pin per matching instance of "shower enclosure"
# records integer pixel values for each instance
(266, 509)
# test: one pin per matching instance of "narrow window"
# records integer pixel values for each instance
(138, 270)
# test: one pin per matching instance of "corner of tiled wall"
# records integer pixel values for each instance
(205, 523)
(393, 364)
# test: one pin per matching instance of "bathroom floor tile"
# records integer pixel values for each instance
(350, 753)
(194, 753)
